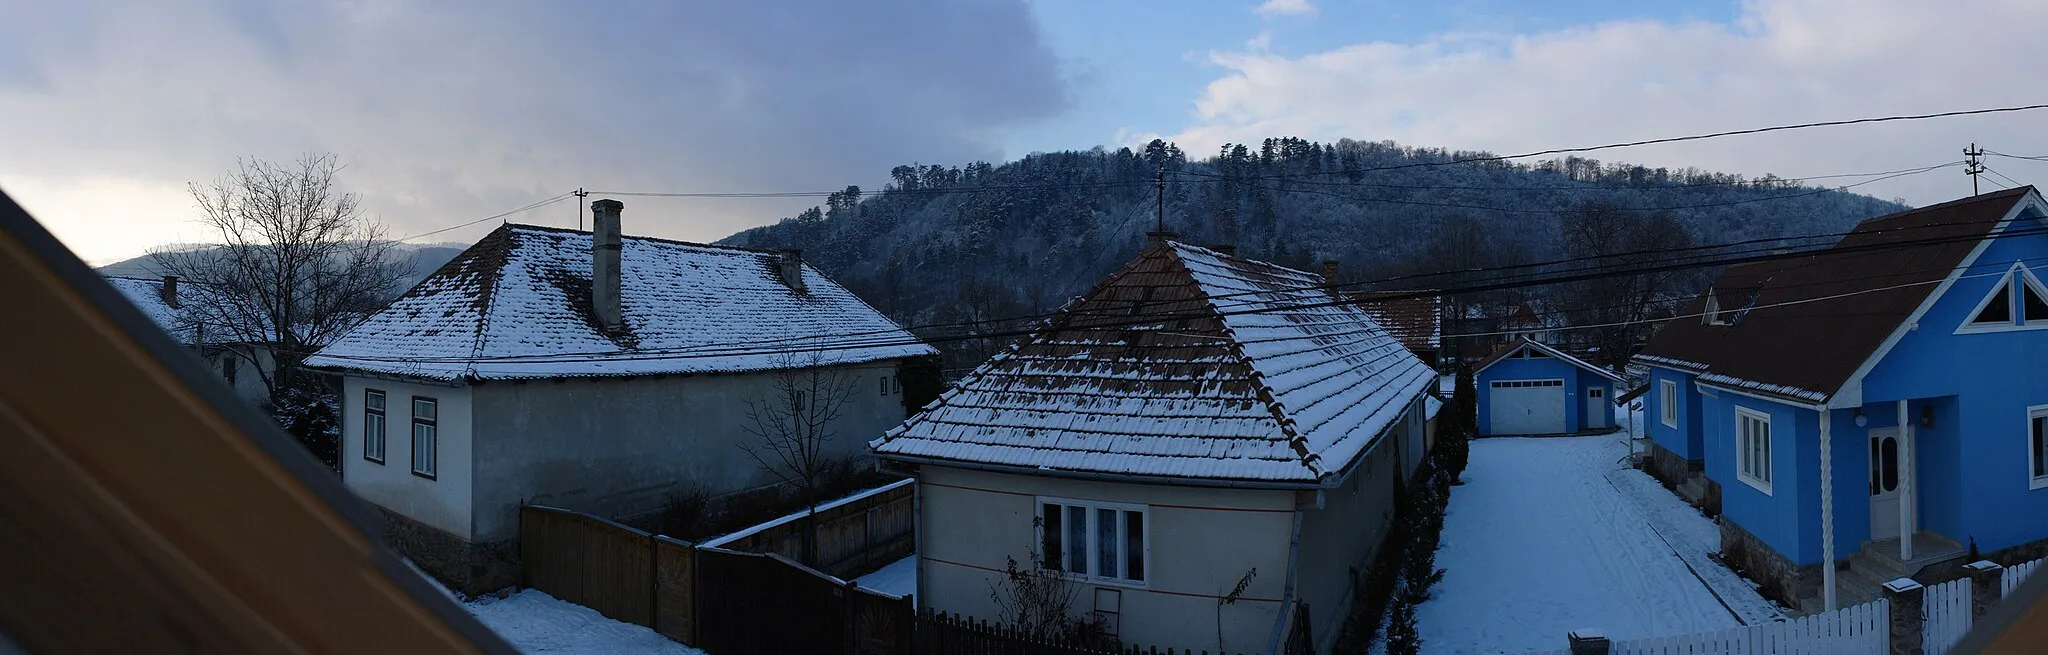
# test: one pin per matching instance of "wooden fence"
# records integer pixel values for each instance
(953, 634)
(589, 561)
(852, 535)
(1945, 615)
(2016, 574)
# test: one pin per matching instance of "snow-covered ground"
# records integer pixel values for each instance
(1550, 535)
(899, 578)
(538, 623)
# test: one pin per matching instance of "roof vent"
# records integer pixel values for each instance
(789, 267)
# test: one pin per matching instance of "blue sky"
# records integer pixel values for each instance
(445, 111)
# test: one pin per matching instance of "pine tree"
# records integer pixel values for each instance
(1401, 636)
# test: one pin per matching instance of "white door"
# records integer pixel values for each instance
(1527, 406)
(1597, 412)
(1884, 483)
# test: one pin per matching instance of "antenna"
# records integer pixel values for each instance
(1973, 164)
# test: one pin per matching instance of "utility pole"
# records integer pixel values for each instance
(1973, 165)
(1160, 224)
(580, 195)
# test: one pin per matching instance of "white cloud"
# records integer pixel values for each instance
(1784, 61)
(1261, 42)
(450, 111)
(1271, 8)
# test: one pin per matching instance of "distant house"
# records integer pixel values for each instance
(1530, 388)
(165, 300)
(592, 372)
(1165, 455)
(1414, 317)
(1898, 374)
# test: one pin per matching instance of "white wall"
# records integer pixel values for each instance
(1202, 541)
(442, 502)
(1339, 540)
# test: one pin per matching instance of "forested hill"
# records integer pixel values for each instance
(942, 243)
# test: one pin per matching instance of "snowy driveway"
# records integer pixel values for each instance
(1552, 535)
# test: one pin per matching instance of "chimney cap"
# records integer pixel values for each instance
(607, 205)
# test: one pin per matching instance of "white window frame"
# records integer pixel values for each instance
(1089, 551)
(2034, 481)
(1744, 465)
(1667, 403)
(2007, 291)
(377, 416)
(2019, 300)
(432, 424)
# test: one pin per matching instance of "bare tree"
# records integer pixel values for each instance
(1036, 597)
(1620, 310)
(793, 426)
(297, 264)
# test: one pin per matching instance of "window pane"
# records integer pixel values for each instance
(1876, 463)
(1051, 536)
(2040, 446)
(422, 408)
(2032, 306)
(2000, 309)
(374, 400)
(1764, 451)
(1077, 539)
(1134, 545)
(1105, 542)
(1888, 457)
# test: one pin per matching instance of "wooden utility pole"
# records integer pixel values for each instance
(580, 195)
(1973, 165)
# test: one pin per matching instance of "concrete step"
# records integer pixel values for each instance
(1693, 489)
(1928, 548)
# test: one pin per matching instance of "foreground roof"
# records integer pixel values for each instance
(517, 306)
(1187, 363)
(1416, 320)
(1801, 327)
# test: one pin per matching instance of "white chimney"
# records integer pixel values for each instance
(170, 291)
(604, 263)
(790, 267)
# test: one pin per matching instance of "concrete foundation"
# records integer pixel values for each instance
(471, 569)
(1781, 580)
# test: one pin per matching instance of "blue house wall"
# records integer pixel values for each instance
(1685, 438)
(1787, 516)
(1576, 381)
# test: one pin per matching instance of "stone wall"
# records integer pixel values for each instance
(1666, 466)
(1781, 580)
(471, 569)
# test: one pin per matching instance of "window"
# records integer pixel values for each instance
(885, 384)
(2018, 301)
(1713, 310)
(1101, 541)
(1667, 403)
(373, 425)
(228, 367)
(1753, 448)
(2037, 446)
(426, 436)
(2033, 300)
(1519, 384)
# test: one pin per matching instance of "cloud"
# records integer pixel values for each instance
(1783, 61)
(1271, 8)
(450, 111)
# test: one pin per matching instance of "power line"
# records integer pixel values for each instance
(535, 205)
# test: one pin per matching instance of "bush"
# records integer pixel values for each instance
(311, 419)
(1401, 636)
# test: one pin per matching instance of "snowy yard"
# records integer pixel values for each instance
(538, 623)
(1550, 535)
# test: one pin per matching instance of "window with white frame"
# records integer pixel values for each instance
(2037, 446)
(426, 436)
(1094, 540)
(2018, 301)
(1667, 402)
(1753, 448)
(373, 425)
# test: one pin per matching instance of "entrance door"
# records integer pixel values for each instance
(1597, 412)
(1884, 483)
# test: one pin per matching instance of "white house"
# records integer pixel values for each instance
(538, 368)
(165, 301)
(1207, 447)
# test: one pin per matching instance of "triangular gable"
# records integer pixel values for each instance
(1540, 347)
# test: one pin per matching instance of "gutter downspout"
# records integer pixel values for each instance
(1287, 599)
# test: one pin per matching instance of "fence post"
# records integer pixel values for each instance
(1908, 626)
(1985, 590)
(1588, 642)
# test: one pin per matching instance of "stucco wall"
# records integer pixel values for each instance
(442, 502)
(1338, 542)
(1683, 439)
(1576, 381)
(1202, 541)
(1787, 518)
(619, 446)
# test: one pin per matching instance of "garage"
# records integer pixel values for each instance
(1527, 406)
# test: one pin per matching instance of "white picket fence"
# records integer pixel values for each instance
(2016, 574)
(1859, 629)
(1945, 615)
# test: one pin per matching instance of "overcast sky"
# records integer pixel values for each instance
(448, 111)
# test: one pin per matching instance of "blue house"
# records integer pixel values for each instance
(1530, 388)
(1881, 402)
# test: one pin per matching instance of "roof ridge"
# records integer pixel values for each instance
(677, 242)
(1295, 440)
(1982, 197)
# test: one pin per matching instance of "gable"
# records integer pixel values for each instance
(1942, 340)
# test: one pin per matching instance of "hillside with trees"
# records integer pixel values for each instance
(950, 244)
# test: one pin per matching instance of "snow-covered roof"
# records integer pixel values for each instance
(148, 296)
(517, 305)
(1188, 363)
(1417, 320)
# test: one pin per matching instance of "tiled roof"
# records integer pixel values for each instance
(1416, 320)
(148, 296)
(1801, 327)
(1236, 370)
(517, 305)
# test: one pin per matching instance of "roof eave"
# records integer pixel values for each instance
(1102, 476)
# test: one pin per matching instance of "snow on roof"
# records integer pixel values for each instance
(1235, 370)
(148, 296)
(1416, 320)
(516, 305)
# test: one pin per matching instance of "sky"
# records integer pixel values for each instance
(448, 111)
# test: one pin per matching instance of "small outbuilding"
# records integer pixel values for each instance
(1528, 387)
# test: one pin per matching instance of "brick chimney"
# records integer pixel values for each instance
(170, 291)
(1225, 248)
(789, 267)
(1330, 275)
(604, 263)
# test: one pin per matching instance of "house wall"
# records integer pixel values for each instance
(1684, 439)
(612, 447)
(1202, 541)
(442, 502)
(1576, 381)
(1787, 518)
(1339, 540)
(1983, 382)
